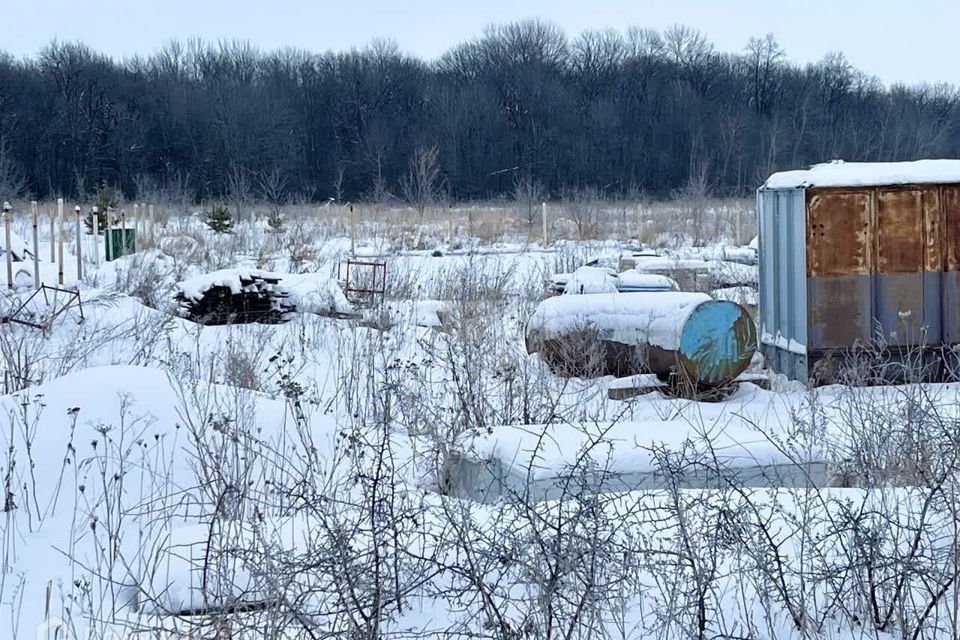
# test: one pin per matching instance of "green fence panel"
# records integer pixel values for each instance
(123, 242)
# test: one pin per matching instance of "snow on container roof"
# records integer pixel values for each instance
(867, 174)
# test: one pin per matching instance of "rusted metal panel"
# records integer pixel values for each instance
(839, 261)
(933, 261)
(898, 281)
(950, 281)
(951, 227)
(899, 231)
(838, 232)
(933, 245)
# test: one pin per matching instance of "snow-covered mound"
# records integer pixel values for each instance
(110, 458)
(720, 272)
(591, 280)
(20, 249)
(628, 447)
(537, 460)
(315, 293)
(633, 280)
(420, 313)
(744, 296)
(743, 255)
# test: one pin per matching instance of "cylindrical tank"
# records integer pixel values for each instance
(706, 342)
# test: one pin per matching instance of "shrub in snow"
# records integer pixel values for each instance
(108, 198)
(275, 220)
(219, 218)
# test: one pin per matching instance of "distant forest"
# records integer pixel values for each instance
(522, 108)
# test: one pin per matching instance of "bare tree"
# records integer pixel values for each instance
(527, 192)
(694, 200)
(273, 187)
(422, 185)
(13, 184)
(338, 184)
(239, 188)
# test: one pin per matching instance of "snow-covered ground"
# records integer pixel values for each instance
(313, 478)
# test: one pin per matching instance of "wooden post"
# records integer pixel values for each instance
(123, 232)
(60, 241)
(9, 245)
(452, 225)
(150, 220)
(53, 236)
(639, 224)
(136, 218)
(353, 231)
(108, 251)
(96, 237)
(76, 210)
(543, 219)
(35, 210)
(738, 228)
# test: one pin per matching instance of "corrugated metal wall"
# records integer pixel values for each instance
(783, 299)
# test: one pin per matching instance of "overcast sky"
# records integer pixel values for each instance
(899, 41)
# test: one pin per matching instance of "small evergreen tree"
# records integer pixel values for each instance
(219, 218)
(275, 220)
(107, 199)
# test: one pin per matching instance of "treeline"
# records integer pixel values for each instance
(522, 108)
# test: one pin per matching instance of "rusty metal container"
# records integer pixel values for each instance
(679, 336)
(860, 261)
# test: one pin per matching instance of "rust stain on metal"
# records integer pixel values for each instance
(933, 258)
(899, 231)
(838, 229)
(951, 228)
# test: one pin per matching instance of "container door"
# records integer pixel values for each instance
(898, 277)
(838, 268)
(951, 266)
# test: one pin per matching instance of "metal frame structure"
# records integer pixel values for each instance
(378, 287)
(72, 296)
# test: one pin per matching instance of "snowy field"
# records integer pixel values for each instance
(329, 475)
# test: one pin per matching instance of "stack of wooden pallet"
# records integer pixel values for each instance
(259, 300)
